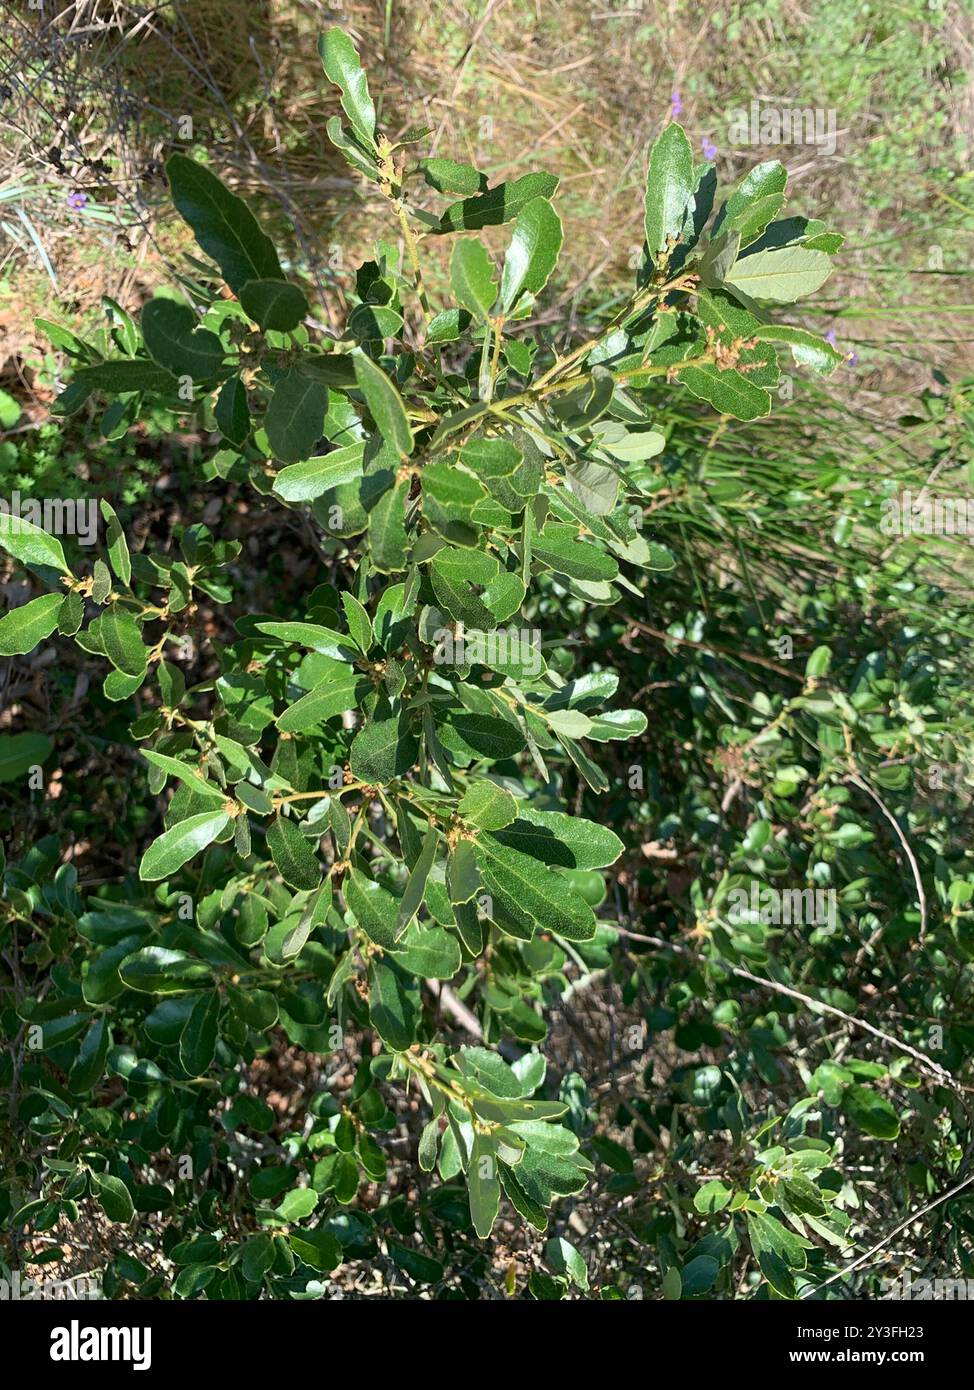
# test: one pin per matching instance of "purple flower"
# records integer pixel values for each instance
(77, 200)
(676, 105)
(830, 338)
(852, 360)
(709, 149)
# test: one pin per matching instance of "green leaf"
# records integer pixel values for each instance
(324, 701)
(412, 898)
(383, 750)
(532, 254)
(64, 339)
(257, 1258)
(305, 481)
(71, 613)
(712, 1197)
(119, 686)
(564, 1259)
(223, 225)
(871, 1112)
(428, 1143)
(387, 530)
(175, 340)
(293, 855)
(29, 544)
(156, 970)
(231, 411)
(670, 184)
(807, 349)
(189, 775)
(720, 255)
(509, 1112)
(90, 1062)
(818, 661)
(394, 1004)
(373, 907)
(452, 496)
(297, 1204)
(472, 278)
(22, 628)
(558, 546)
(698, 1275)
(486, 806)
(19, 752)
(417, 1266)
(481, 735)
(490, 1071)
(122, 375)
(447, 176)
(118, 551)
(497, 205)
(276, 305)
(428, 952)
(471, 586)
(332, 369)
(562, 840)
(295, 417)
(462, 875)
(751, 221)
(343, 140)
(180, 843)
(769, 1236)
(343, 67)
(528, 1207)
(197, 1042)
(101, 586)
(69, 401)
(531, 898)
(122, 638)
(570, 722)
(728, 391)
(384, 403)
(320, 639)
(448, 326)
(483, 1184)
(359, 625)
(114, 1196)
(317, 1248)
(780, 276)
(257, 1007)
(762, 181)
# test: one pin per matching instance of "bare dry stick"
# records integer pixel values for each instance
(713, 647)
(914, 1216)
(474, 40)
(934, 1068)
(459, 1011)
(921, 895)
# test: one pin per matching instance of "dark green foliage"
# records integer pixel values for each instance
(378, 794)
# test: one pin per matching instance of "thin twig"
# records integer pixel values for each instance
(908, 1221)
(921, 895)
(935, 1069)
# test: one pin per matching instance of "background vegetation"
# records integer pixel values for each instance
(696, 1061)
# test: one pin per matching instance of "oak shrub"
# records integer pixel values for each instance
(370, 815)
